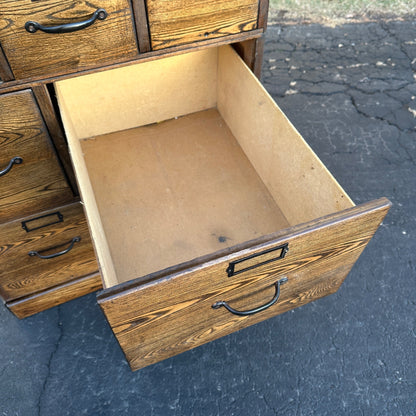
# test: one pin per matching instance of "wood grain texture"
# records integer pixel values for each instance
(54, 296)
(6, 73)
(38, 183)
(177, 22)
(57, 136)
(142, 25)
(263, 13)
(32, 54)
(166, 316)
(18, 84)
(22, 275)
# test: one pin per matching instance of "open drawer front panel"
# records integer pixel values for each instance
(207, 209)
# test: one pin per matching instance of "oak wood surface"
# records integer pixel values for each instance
(18, 84)
(38, 183)
(6, 73)
(179, 306)
(176, 22)
(50, 116)
(29, 305)
(33, 54)
(263, 13)
(22, 275)
(142, 26)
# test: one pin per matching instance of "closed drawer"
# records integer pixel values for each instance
(174, 22)
(208, 211)
(35, 53)
(44, 251)
(31, 179)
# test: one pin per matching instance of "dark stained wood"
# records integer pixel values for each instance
(263, 13)
(38, 183)
(6, 73)
(54, 296)
(16, 85)
(174, 22)
(163, 317)
(142, 26)
(57, 136)
(23, 275)
(251, 51)
(34, 54)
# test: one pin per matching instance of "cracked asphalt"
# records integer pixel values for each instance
(350, 91)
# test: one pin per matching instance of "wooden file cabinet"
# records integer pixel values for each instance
(208, 211)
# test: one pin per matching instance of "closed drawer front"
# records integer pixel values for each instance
(203, 202)
(36, 52)
(174, 22)
(29, 248)
(31, 178)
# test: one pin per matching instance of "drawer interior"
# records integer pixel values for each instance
(180, 157)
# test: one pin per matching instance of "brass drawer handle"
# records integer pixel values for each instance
(217, 305)
(60, 253)
(99, 14)
(15, 161)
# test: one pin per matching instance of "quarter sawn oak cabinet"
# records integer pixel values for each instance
(140, 154)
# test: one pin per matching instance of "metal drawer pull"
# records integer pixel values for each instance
(217, 305)
(284, 248)
(15, 161)
(99, 14)
(60, 253)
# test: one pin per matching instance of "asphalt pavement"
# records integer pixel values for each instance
(351, 92)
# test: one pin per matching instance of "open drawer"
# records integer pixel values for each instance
(207, 209)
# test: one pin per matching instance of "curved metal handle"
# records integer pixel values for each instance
(60, 253)
(15, 161)
(99, 14)
(217, 305)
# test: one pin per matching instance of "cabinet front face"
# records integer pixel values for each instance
(177, 22)
(208, 210)
(43, 251)
(58, 36)
(31, 179)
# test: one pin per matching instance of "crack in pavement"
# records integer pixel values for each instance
(49, 363)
